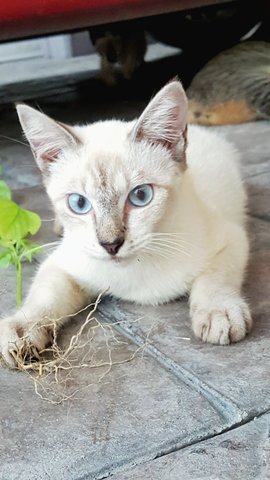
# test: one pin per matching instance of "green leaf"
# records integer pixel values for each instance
(6, 243)
(4, 190)
(16, 222)
(5, 259)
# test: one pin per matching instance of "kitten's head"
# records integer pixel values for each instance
(111, 182)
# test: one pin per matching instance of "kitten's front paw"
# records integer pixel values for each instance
(221, 322)
(25, 338)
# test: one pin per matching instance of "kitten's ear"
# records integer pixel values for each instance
(47, 138)
(164, 120)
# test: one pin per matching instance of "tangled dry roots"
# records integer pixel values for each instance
(52, 370)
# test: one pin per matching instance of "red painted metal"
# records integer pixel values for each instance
(24, 18)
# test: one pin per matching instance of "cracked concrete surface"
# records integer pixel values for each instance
(242, 453)
(179, 408)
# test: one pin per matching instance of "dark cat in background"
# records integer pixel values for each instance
(228, 87)
(122, 44)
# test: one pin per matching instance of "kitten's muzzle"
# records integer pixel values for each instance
(113, 247)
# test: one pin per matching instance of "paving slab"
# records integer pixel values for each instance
(251, 139)
(259, 195)
(241, 454)
(133, 413)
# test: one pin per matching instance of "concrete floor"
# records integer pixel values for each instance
(163, 406)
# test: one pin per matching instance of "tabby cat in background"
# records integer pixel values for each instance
(233, 87)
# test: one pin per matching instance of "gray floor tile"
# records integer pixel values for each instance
(131, 414)
(243, 453)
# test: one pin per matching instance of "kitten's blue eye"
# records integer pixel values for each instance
(79, 204)
(141, 195)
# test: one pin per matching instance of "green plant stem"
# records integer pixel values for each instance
(15, 252)
(19, 284)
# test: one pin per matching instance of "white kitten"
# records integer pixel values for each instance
(150, 211)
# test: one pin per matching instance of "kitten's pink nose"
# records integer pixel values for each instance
(112, 248)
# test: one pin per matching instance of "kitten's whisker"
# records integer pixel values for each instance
(141, 243)
(28, 165)
(171, 234)
(171, 247)
(165, 252)
(177, 247)
(161, 253)
(166, 237)
(171, 242)
(40, 247)
(14, 140)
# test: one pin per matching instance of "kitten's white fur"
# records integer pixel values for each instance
(190, 238)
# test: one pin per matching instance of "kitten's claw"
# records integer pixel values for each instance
(21, 340)
(222, 324)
